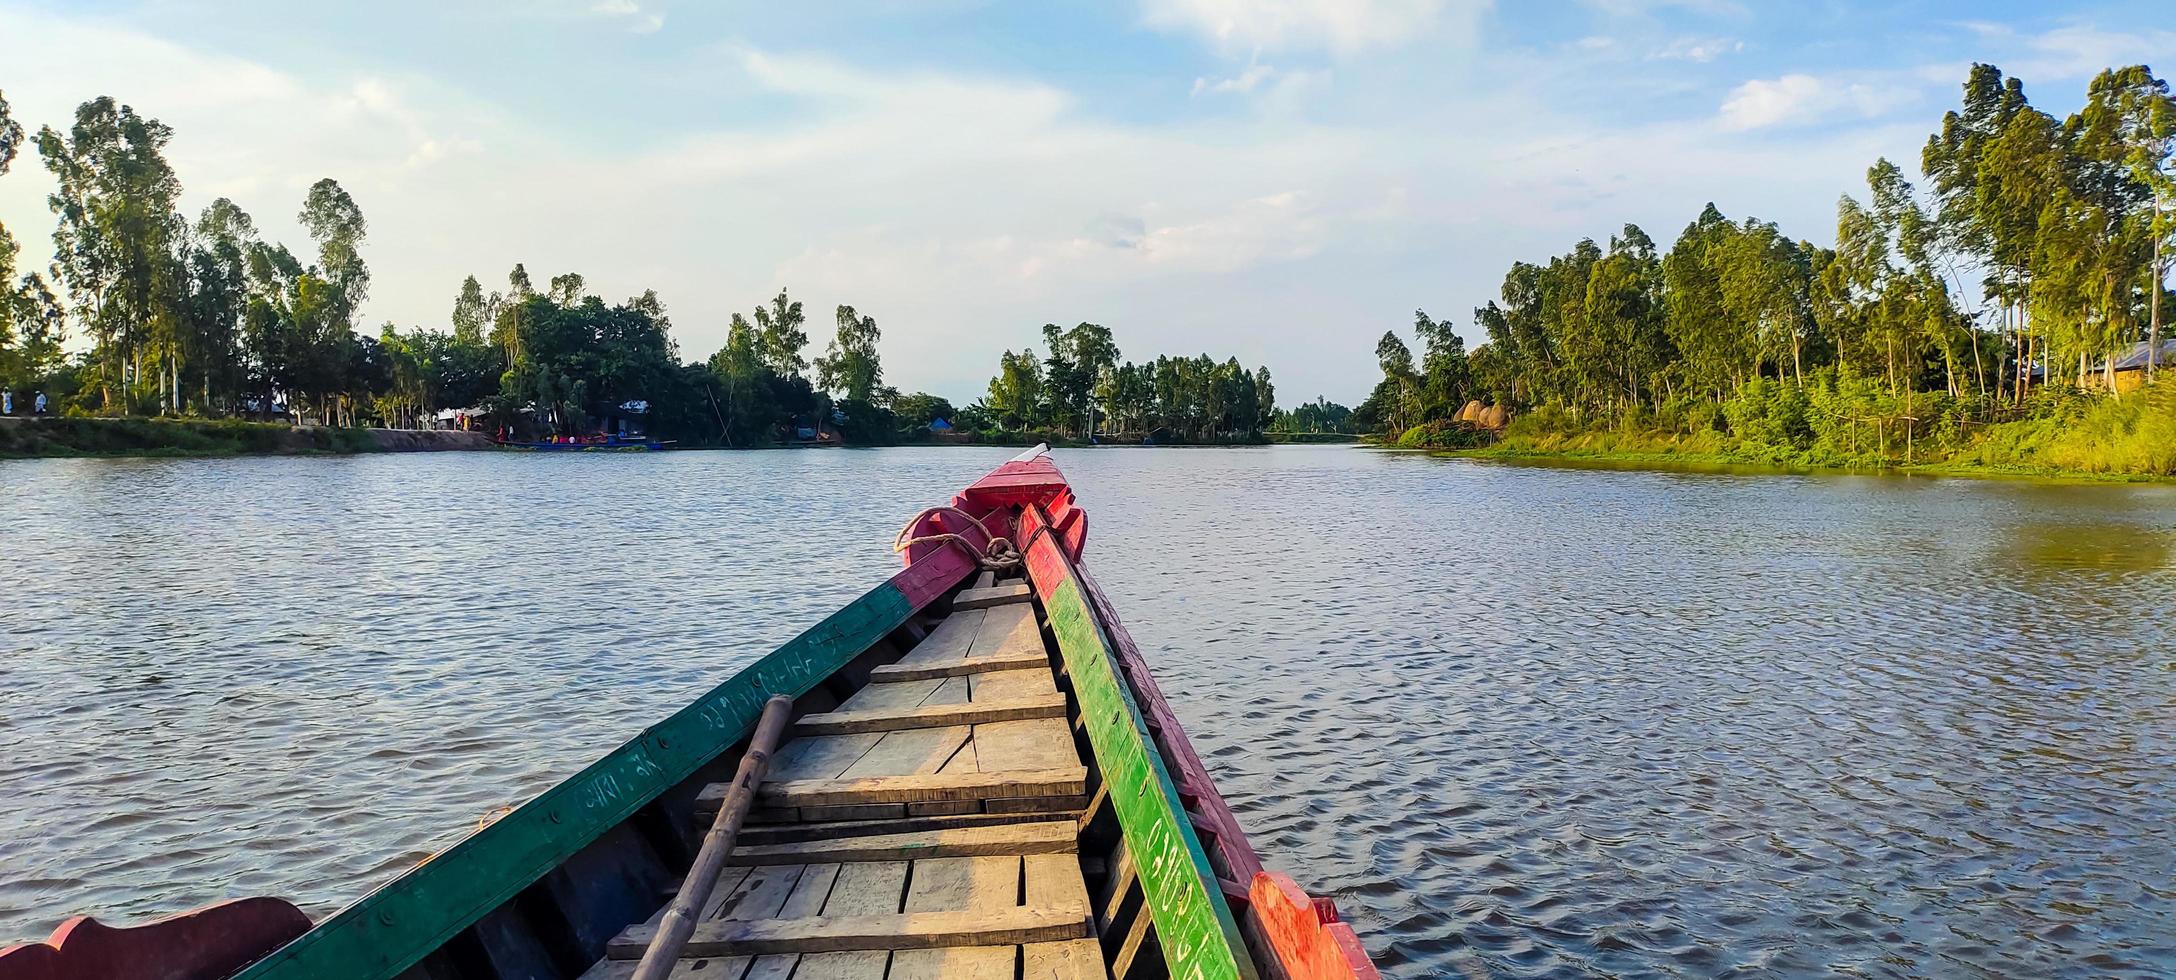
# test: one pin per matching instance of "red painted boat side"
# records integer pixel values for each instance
(1304, 934)
(1310, 940)
(207, 944)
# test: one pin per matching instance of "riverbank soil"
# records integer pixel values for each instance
(25, 437)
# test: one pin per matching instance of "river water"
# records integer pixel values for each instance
(1518, 721)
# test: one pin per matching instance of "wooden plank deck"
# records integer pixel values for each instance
(926, 828)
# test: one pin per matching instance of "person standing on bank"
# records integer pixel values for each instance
(37, 405)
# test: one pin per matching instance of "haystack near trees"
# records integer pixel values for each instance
(1471, 413)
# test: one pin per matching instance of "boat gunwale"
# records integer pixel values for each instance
(1192, 914)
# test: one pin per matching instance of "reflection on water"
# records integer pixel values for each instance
(2040, 547)
(1519, 721)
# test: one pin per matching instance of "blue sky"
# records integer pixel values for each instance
(1281, 180)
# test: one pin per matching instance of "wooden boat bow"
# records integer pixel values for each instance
(1298, 936)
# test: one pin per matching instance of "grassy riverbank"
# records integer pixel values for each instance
(2095, 438)
(26, 438)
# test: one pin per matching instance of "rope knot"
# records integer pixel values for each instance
(997, 553)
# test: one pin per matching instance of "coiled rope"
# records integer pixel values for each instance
(996, 554)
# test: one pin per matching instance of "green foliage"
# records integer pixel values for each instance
(83, 436)
(850, 369)
(1318, 416)
(1740, 340)
(1841, 419)
(1442, 434)
(780, 336)
(2135, 436)
(918, 410)
(1083, 391)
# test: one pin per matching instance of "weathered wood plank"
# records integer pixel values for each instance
(797, 832)
(930, 716)
(1001, 685)
(853, 811)
(1081, 959)
(1042, 743)
(996, 595)
(964, 760)
(699, 968)
(868, 888)
(1053, 880)
(811, 758)
(729, 885)
(762, 894)
(921, 751)
(918, 750)
(741, 893)
(981, 885)
(1042, 838)
(950, 641)
(1008, 629)
(808, 898)
(922, 930)
(892, 673)
(927, 787)
(905, 694)
(1067, 805)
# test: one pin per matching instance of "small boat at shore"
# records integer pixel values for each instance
(966, 772)
(584, 444)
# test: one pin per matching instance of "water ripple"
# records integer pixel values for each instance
(1517, 721)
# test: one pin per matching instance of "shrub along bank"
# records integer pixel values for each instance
(1828, 423)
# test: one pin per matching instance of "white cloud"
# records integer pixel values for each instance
(638, 21)
(1649, 8)
(1698, 49)
(1801, 99)
(1343, 26)
(2078, 51)
(1243, 82)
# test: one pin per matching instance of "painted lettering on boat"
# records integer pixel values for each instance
(1199, 936)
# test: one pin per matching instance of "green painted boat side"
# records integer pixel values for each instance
(1194, 925)
(392, 928)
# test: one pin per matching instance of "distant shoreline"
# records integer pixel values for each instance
(163, 438)
(1723, 463)
(78, 438)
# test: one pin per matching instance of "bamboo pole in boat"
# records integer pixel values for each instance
(679, 921)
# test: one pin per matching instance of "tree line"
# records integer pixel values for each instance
(2055, 220)
(1082, 389)
(200, 316)
(205, 317)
